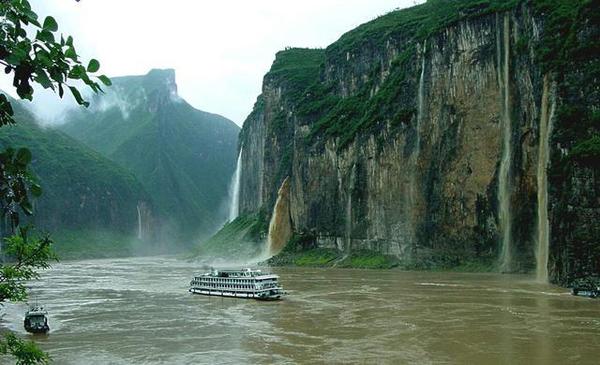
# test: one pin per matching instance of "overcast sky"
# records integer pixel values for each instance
(219, 49)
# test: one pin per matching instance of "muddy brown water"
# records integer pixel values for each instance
(138, 311)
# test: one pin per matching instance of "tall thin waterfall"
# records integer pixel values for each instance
(413, 210)
(420, 98)
(351, 184)
(139, 216)
(543, 234)
(234, 190)
(504, 188)
(280, 227)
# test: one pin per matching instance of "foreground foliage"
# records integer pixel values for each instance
(49, 60)
(25, 352)
(27, 254)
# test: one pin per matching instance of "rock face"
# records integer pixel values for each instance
(427, 147)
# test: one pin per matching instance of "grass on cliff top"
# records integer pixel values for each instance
(295, 68)
(418, 21)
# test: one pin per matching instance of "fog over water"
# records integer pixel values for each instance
(138, 311)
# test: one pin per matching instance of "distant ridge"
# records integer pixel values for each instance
(85, 195)
(183, 157)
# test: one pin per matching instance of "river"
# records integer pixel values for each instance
(138, 311)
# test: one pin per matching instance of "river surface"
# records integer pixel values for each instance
(138, 311)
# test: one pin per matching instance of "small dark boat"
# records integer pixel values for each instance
(586, 287)
(586, 292)
(36, 320)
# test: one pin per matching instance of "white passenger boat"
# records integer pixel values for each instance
(245, 283)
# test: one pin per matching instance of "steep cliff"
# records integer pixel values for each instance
(184, 157)
(421, 135)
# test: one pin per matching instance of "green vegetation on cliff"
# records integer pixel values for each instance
(588, 152)
(244, 238)
(294, 68)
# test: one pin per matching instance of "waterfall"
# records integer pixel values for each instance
(504, 188)
(234, 190)
(349, 222)
(349, 208)
(412, 209)
(543, 234)
(280, 227)
(420, 98)
(139, 216)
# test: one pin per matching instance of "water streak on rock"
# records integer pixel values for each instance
(543, 233)
(413, 200)
(504, 187)
(280, 227)
(139, 216)
(349, 209)
(234, 190)
(420, 98)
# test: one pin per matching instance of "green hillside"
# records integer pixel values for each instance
(82, 190)
(184, 157)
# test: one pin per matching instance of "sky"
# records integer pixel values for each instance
(220, 50)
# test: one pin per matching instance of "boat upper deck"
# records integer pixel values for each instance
(239, 274)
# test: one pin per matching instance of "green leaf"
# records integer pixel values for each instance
(32, 17)
(24, 156)
(36, 190)
(93, 66)
(26, 206)
(43, 79)
(70, 53)
(19, 53)
(50, 24)
(45, 36)
(76, 95)
(77, 72)
(105, 80)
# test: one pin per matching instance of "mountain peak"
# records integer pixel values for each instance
(161, 80)
(154, 89)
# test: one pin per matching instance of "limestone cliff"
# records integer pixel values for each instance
(418, 135)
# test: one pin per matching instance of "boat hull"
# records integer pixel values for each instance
(43, 329)
(234, 294)
(585, 292)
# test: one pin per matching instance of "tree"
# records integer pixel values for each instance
(31, 52)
